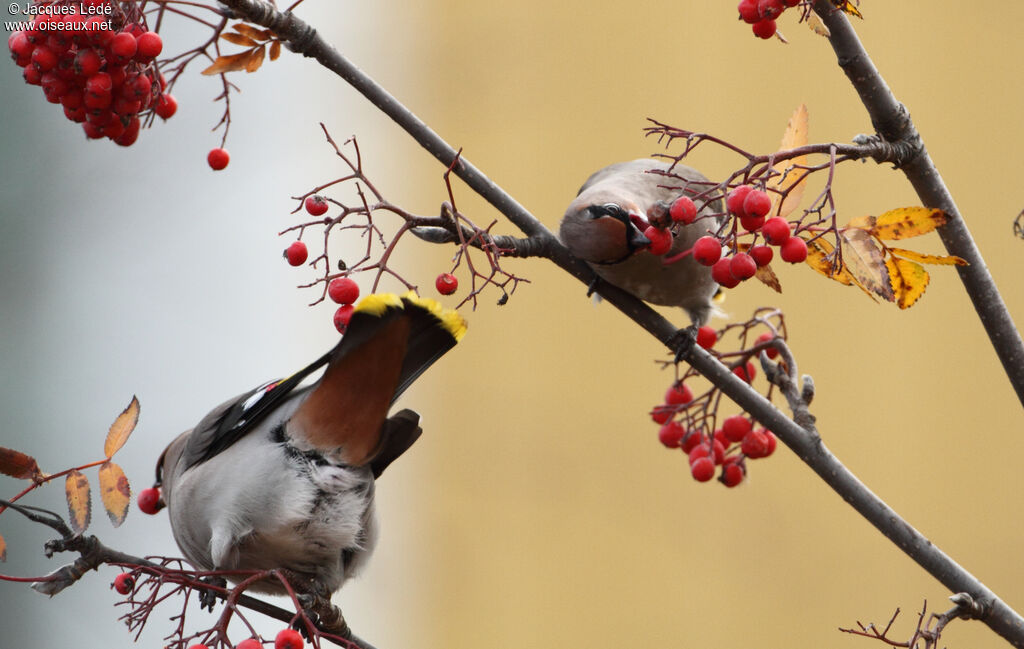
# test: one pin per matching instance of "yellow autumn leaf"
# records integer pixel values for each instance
(114, 492)
(256, 60)
(122, 428)
(847, 7)
(768, 278)
(795, 181)
(76, 488)
(863, 258)
(18, 465)
(907, 222)
(239, 39)
(275, 50)
(818, 27)
(229, 63)
(920, 257)
(821, 259)
(252, 32)
(862, 222)
(909, 280)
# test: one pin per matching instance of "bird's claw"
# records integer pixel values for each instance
(682, 342)
(208, 596)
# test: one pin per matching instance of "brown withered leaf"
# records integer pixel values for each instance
(275, 50)
(819, 257)
(847, 7)
(229, 63)
(768, 278)
(920, 257)
(795, 136)
(252, 32)
(907, 222)
(239, 39)
(18, 465)
(862, 222)
(76, 488)
(115, 492)
(909, 280)
(864, 259)
(818, 27)
(256, 60)
(3, 549)
(122, 428)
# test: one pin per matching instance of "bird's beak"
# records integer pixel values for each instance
(637, 239)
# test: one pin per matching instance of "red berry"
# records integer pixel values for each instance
(722, 273)
(791, 3)
(771, 352)
(706, 337)
(770, 8)
(217, 159)
(149, 46)
(762, 255)
(99, 84)
(126, 105)
(342, 316)
(661, 240)
(123, 46)
(755, 444)
(794, 250)
(679, 394)
(775, 230)
(690, 441)
(732, 472)
(661, 414)
(745, 372)
(720, 437)
(446, 283)
(751, 223)
(734, 201)
(249, 643)
(748, 11)
(288, 639)
(757, 203)
(707, 250)
(43, 58)
(742, 266)
(736, 428)
(703, 469)
(716, 451)
(140, 87)
(131, 132)
(343, 290)
(198, 645)
(166, 106)
(764, 28)
(772, 442)
(19, 45)
(148, 501)
(87, 62)
(671, 434)
(114, 129)
(124, 583)
(32, 75)
(683, 210)
(316, 205)
(296, 253)
(92, 131)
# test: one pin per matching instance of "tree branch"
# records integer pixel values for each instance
(892, 122)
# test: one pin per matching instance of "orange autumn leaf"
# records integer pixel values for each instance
(256, 60)
(229, 63)
(76, 488)
(921, 258)
(252, 32)
(795, 181)
(239, 39)
(3, 549)
(907, 222)
(18, 465)
(114, 492)
(909, 280)
(768, 278)
(863, 257)
(122, 428)
(821, 259)
(275, 50)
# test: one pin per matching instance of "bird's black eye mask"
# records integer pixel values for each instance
(609, 209)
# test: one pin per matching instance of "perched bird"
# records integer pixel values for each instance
(283, 478)
(605, 224)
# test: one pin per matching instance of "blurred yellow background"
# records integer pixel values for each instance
(539, 509)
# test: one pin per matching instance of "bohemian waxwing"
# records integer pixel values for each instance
(283, 478)
(604, 226)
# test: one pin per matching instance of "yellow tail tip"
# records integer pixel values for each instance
(376, 304)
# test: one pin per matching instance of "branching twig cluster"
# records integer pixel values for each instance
(926, 634)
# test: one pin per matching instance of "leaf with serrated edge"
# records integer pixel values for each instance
(122, 428)
(863, 258)
(256, 60)
(275, 50)
(768, 278)
(239, 39)
(76, 488)
(229, 63)
(115, 492)
(795, 136)
(252, 32)
(938, 260)
(907, 222)
(819, 28)
(818, 252)
(18, 465)
(909, 280)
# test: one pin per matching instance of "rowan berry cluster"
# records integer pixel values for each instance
(761, 14)
(97, 64)
(726, 448)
